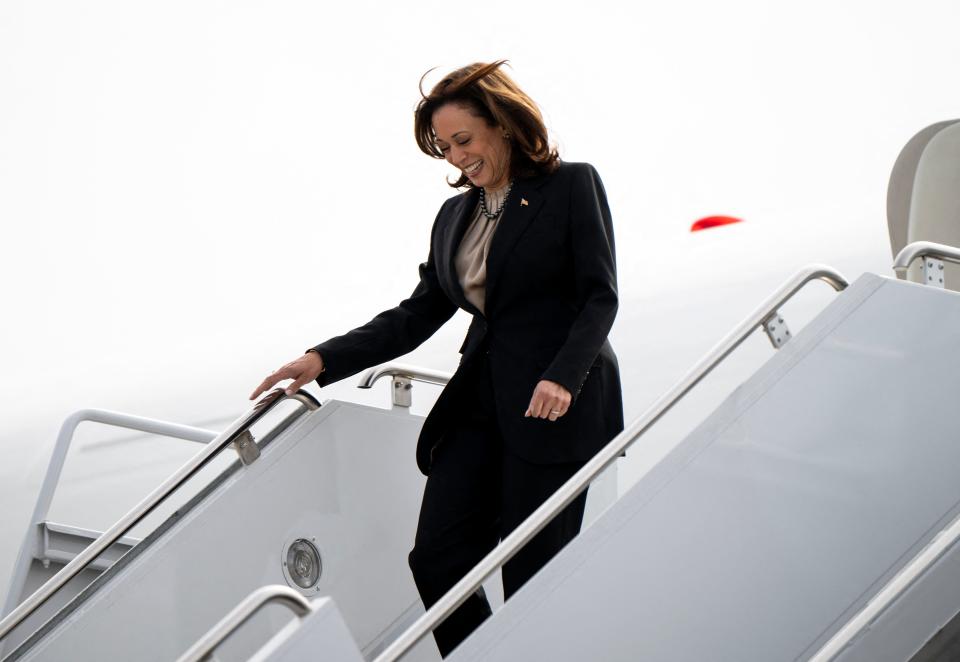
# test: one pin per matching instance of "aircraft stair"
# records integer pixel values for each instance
(814, 515)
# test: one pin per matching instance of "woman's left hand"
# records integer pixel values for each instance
(550, 400)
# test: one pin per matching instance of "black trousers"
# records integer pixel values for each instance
(475, 495)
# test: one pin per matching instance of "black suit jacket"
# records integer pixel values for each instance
(551, 298)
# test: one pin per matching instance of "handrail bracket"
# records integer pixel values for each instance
(402, 377)
(777, 330)
(933, 272)
(402, 391)
(933, 256)
(246, 447)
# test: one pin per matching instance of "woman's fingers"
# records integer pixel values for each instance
(554, 408)
(268, 383)
(297, 383)
(305, 369)
(283, 373)
(550, 400)
(538, 403)
(535, 406)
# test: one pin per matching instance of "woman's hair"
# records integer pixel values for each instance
(487, 92)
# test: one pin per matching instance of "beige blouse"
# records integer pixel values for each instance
(471, 259)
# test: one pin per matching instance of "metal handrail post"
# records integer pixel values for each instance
(609, 453)
(150, 503)
(240, 614)
(911, 252)
(403, 378)
(415, 373)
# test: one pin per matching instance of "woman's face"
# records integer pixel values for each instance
(479, 150)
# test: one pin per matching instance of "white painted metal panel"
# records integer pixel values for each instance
(909, 624)
(322, 635)
(772, 524)
(344, 475)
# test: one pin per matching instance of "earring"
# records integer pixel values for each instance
(506, 135)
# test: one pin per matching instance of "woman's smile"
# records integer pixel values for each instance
(473, 169)
(473, 146)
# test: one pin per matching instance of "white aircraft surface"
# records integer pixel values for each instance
(180, 186)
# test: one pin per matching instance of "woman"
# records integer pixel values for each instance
(528, 250)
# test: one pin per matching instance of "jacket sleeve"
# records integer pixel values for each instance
(595, 278)
(393, 332)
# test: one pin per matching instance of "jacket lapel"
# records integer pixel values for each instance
(522, 207)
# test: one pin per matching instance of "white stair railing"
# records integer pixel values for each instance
(238, 434)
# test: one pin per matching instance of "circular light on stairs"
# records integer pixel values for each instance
(301, 563)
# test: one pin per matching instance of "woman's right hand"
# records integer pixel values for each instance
(302, 370)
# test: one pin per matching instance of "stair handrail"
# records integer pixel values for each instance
(415, 373)
(250, 605)
(912, 251)
(234, 433)
(905, 579)
(608, 454)
(59, 457)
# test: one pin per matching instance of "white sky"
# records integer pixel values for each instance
(191, 193)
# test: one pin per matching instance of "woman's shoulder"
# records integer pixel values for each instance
(569, 173)
(570, 170)
(573, 168)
